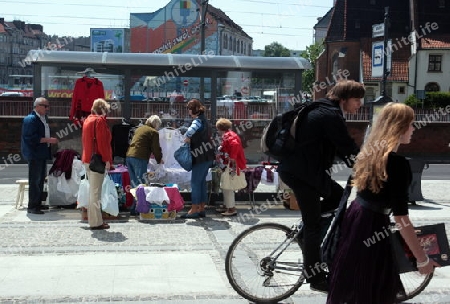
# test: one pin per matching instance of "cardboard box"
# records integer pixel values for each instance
(158, 212)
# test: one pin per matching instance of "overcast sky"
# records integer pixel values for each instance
(288, 22)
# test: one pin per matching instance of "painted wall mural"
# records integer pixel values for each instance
(174, 28)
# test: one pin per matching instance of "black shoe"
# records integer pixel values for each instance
(320, 286)
(44, 207)
(35, 211)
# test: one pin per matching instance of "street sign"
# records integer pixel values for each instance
(378, 30)
(185, 82)
(420, 94)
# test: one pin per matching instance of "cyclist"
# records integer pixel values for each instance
(321, 135)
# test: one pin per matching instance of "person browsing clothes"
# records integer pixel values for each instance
(35, 148)
(96, 121)
(231, 154)
(368, 274)
(199, 136)
(322, 134)
(145, 142)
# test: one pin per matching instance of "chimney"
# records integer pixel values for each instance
(2, 21)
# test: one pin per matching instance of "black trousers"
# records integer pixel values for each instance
(37, 170)
(311, 206)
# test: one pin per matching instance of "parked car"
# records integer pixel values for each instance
(12, 94)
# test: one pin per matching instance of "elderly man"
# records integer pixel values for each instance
(35, 146)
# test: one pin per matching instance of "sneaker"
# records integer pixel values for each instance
(321, 286)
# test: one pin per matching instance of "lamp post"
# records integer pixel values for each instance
(384, 98)
(379, 102)
(202, 44)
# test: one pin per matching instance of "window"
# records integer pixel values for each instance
(401, 90)
(434, 63)
(441, 3)
(357, 24)
(373, 2)
(225, 42)
(432, 87)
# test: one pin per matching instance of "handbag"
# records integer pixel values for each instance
(230, 181)
(433, 240)
(184, 157)
(96, 164)
(332, 237)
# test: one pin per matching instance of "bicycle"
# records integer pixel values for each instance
(267, 250)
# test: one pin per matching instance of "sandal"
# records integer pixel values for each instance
(101, 227)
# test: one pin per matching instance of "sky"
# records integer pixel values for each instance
(288, 22)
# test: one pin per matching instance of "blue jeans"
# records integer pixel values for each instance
(199, 192)
(137, 168)
(37, 170)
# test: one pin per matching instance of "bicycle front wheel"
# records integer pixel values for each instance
(264, 264)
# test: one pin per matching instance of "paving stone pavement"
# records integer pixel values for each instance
(55, 258)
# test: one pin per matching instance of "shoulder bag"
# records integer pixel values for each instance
(232, 181)
(96, 164)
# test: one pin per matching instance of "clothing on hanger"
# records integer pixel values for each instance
(170, 140)
(86, 90)
(120, 139)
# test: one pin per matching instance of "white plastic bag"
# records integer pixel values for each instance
(83, 194)
(110, 198)
(156, 195)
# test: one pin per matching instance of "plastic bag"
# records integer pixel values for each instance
(110, 199)
(184, 157)
(156, 195)
(83, 194)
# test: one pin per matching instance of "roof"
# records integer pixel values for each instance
(162, 62)
(400, 62)
(221, 17)
(435, 42)
(324, 22)
(337, 28)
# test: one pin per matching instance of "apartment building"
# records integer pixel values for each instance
(16, 39)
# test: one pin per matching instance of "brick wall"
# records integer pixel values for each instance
(430, 141)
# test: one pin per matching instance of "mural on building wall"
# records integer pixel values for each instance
(174, 28)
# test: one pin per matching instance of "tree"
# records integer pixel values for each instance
(275, 49)
(311, 54)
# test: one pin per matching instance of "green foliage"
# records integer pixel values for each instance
(432, 100)
(275, 49)
(311, 54)
(413, 101)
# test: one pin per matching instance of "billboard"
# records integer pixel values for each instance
(175, 28)
(111, 40)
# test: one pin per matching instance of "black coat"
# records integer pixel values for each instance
(322, 135)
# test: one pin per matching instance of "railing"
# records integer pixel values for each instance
(178, 111)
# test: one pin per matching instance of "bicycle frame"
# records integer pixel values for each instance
(273, 257)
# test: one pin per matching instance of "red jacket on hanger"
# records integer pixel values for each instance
(85, 92)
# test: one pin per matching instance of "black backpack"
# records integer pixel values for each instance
(278, 138)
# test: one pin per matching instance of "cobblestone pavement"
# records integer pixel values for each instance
(55, 258)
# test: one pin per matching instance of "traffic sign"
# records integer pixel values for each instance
(185, 82)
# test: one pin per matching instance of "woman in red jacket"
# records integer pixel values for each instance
(232, 155)
(96, 122)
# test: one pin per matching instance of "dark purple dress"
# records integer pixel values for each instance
(364, 270)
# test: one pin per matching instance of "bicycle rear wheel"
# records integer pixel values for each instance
(264, 264)
(414, 283)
